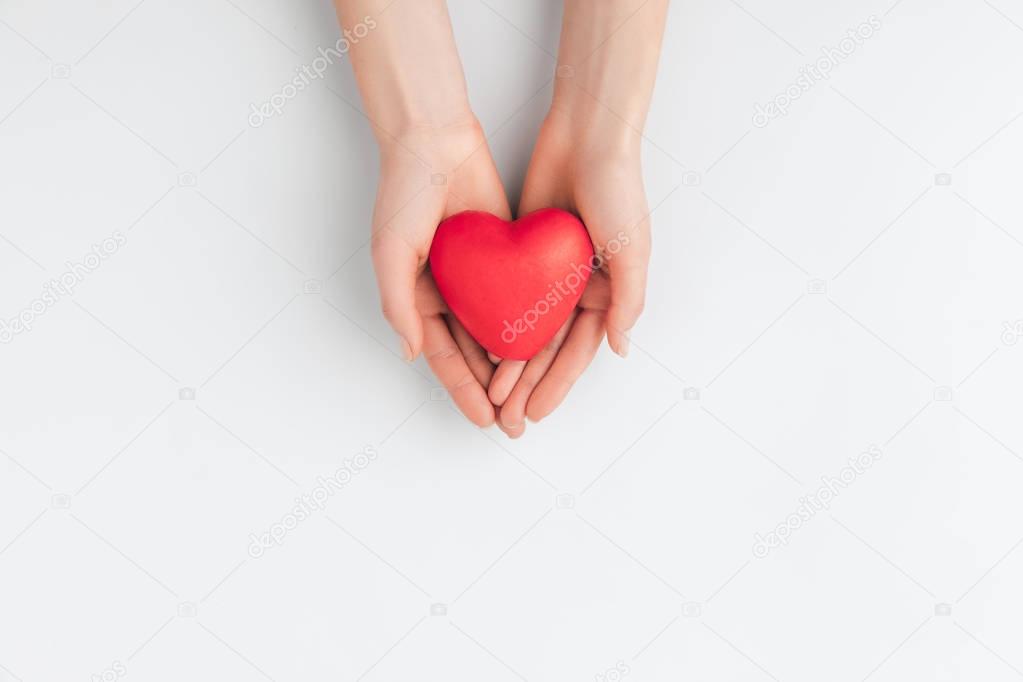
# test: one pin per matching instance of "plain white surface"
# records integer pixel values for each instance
(621, 530)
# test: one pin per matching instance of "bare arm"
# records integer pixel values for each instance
(587, 160)
(407, 67)
(607, 65)
(434, 162)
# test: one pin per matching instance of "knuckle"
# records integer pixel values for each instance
(443, 353)
(552, 347)
(638, 307)
(465, 381)
(389, 313)
(562, 385)
(527, 384)
(376, 249)
(629, 312)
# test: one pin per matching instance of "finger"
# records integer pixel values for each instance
(513, 411)
(573, 358)
(628, 271)
(546, 183)
(597, 294)
(475, 356)
(507, 373)
(428, 299)
(537, 195)
(493, 358)
(512, 432)
(397, 266)
(476, 185)
(448, 363)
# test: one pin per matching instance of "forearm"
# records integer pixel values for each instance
(407, 67)
(607, 64)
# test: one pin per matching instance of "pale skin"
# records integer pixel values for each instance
(435, 162)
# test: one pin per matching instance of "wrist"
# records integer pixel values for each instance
(607, 65)
(414, 123)
(587, 132)
(398, 108)
(408, 71)
(441, 142)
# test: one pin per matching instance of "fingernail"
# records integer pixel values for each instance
(623, 346)
(406, 350)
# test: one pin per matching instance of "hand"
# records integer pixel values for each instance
(602, 183)
(586, 160)
(427, 175)
(411, 80)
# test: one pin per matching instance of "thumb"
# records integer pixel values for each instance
(397, 268)
(628, 270)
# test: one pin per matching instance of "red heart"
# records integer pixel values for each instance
(512, 284)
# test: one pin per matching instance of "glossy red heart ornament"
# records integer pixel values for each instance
(512, 284)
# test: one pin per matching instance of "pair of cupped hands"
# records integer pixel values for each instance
(429, 174)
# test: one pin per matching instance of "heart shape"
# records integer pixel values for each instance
(512, 284)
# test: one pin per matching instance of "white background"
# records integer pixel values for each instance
(620, 530)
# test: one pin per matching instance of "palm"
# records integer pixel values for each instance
(425, 178)
(607, 193)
